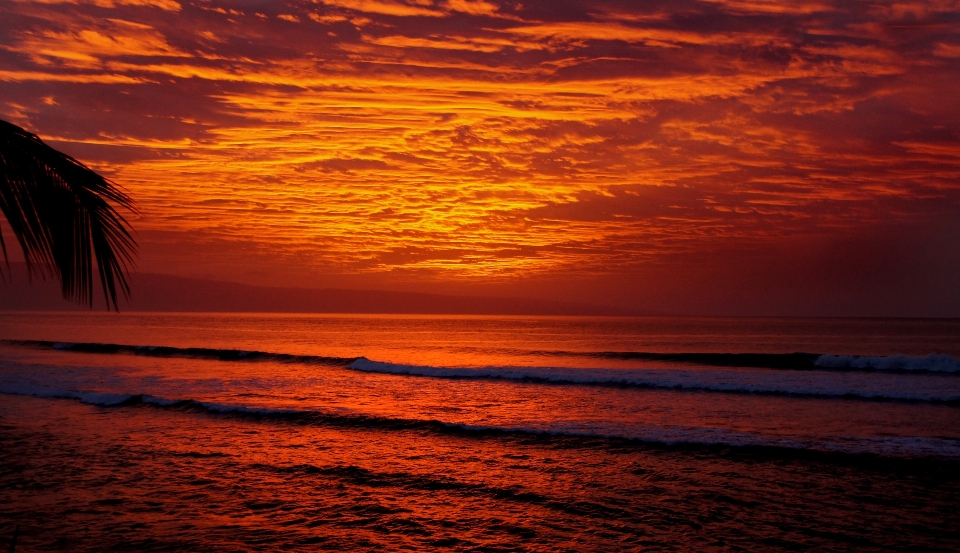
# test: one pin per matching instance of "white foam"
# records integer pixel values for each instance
(162, 402)
(811, 383)
(933, 362)
(665, 434)
(93, 398)
(108, 399)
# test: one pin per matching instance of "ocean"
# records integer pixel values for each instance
(263, 432)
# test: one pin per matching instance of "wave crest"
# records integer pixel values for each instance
(192, 353)
(798, 361)
(897, 446)
(931, 363)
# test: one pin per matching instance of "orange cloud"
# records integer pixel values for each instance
(168, 5)
(453, 43)
(474, 7)
(947, 50)
(86, 48)
(575, 32)
(481, 140)
(385, 7)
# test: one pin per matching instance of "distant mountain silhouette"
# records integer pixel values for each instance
(154, 292)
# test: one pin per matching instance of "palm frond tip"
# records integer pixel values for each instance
(62, 214)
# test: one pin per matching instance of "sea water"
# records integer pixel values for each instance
(384, 432)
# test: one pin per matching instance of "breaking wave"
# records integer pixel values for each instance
(818, 384)
(191, 353)
(898, 446)
(938, 363)
(933, 363)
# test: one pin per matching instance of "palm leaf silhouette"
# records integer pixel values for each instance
(61, 214)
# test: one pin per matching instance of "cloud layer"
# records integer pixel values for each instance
(465, 139)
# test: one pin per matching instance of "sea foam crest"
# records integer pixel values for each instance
(938, 387)
(933, 362)
(84, 396)
(906, 446)
(112, 399)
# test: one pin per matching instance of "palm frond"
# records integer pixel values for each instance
(62, 214)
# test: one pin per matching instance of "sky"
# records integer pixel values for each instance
(704, 157)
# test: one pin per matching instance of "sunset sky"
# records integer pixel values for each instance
(722, 157)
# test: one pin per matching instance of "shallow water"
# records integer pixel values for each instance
(477, 433)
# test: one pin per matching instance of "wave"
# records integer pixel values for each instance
(703, 380)
(933, 363)
(438, 482)
(892, 381)
(192, 353)
(672, 436)
(796, 361)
